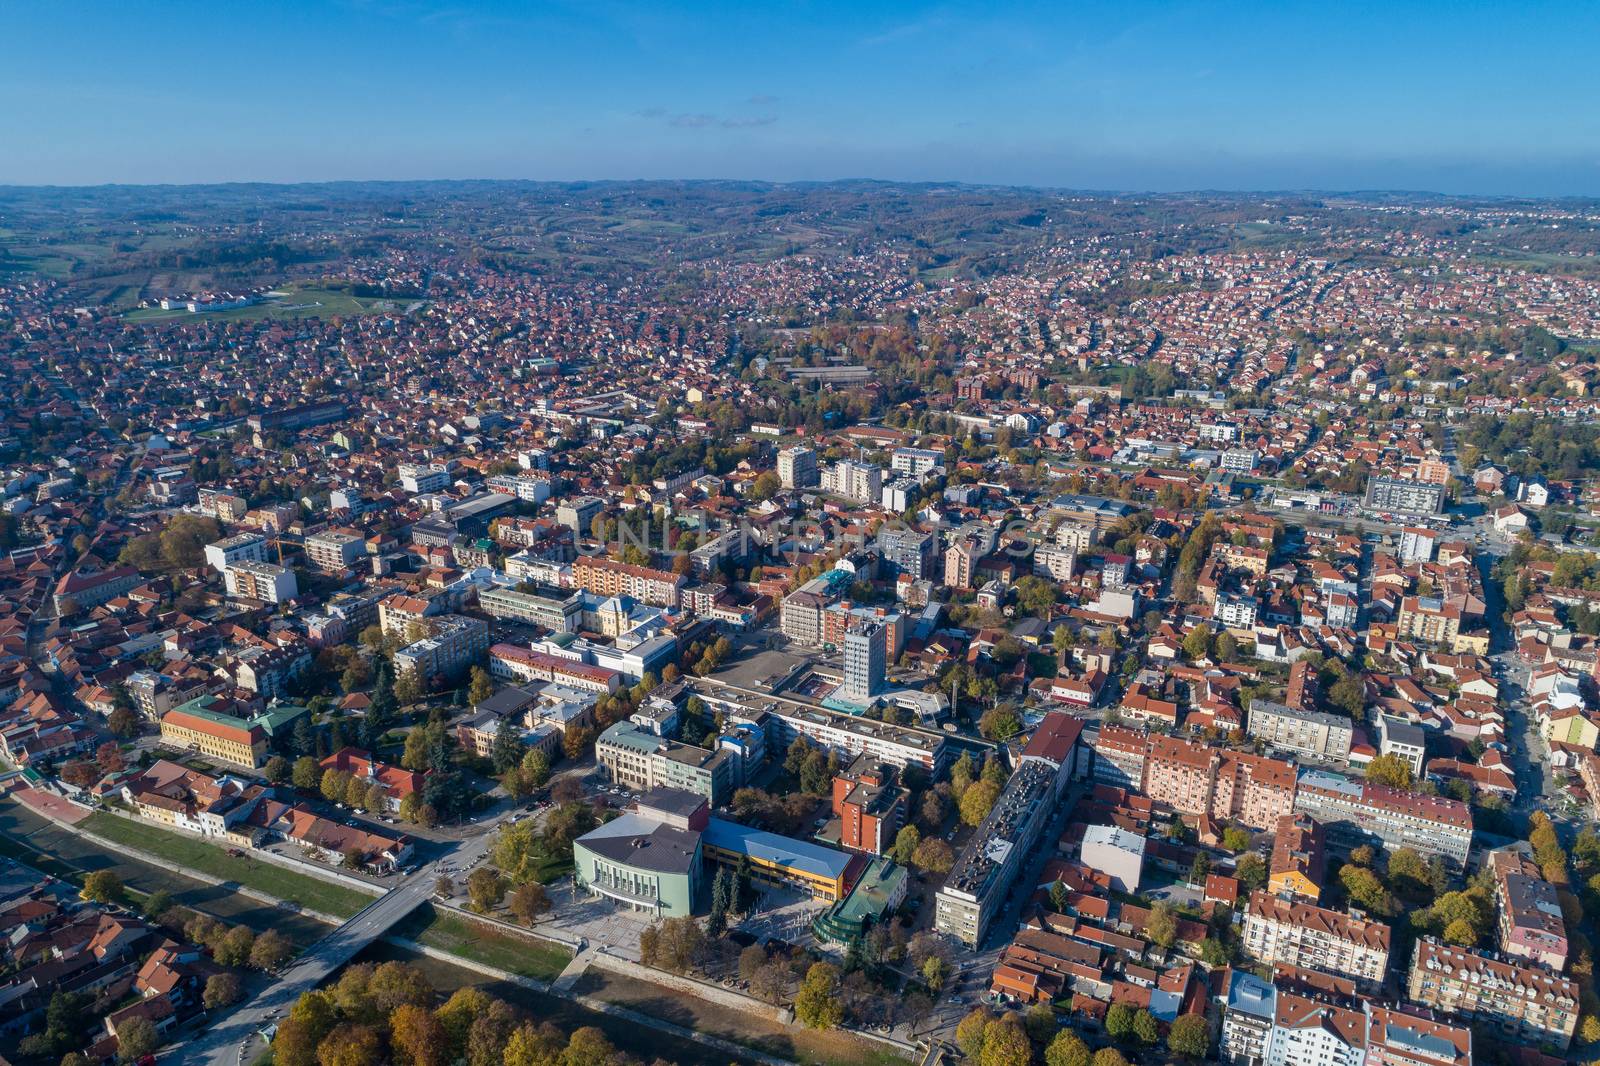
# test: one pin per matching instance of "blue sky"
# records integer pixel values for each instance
(1461, 97)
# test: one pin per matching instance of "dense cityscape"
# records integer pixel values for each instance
(704, 622)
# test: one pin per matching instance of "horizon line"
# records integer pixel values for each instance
(809, 182)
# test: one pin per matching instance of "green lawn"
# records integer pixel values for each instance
(481, 942)
(313, 893)
(296, 303)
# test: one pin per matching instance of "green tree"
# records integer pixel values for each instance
(1197, 645)
(136, 1038)
(1000, 722)
(306, 773)
(1162, 926)
(1145, 1029)
(506, 752)
(1189, 1037)
(1236, 839)
(905, 845)
(1119, 1021)
(1251, 871)
(1462, 933)
(157, 903)
(1366, 891)
(935, 972)
(535, 769)
(1109, 1056)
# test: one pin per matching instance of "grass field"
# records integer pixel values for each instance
(296, 303)
(46, 847)
(484, 943)
(191, 853)
(791, 1042)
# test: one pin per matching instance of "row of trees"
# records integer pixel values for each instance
(387, 1013)
(1034, 1035)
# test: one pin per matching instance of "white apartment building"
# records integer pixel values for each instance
(1314, 938)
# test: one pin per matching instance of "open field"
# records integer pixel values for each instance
(195, 854)
(297, 303)
(792, 1042)
(30, 839)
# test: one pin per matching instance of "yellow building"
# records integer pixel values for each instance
(826, 873)
(1298, 859)
(217, 735)
(1571, 727)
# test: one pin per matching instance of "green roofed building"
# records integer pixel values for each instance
(879, 891)
(649, 859)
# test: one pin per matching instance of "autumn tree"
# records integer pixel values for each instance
(817, 1004)
(529, 901)
(1391, 770)
(417, 1036)
(485, 889)
(978, 800)
(934, 855)
(1162, 925)
(222, 990)
(1067, 1049)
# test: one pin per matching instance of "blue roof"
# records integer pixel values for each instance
(779, 850)
(1250, 994)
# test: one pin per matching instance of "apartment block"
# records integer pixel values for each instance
(1531, 923)
(797, 467)
(1522, 1001)
(1362, 812)
(1304, 732)
(556, 611)
(1299, 858)
(608, 577)
(1407, 497)
(332, 550)
(246, 547)
(870, 806)
(641, 760)
(456, 643)
(260, 581)
(1311, 937)
(1193, 778)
